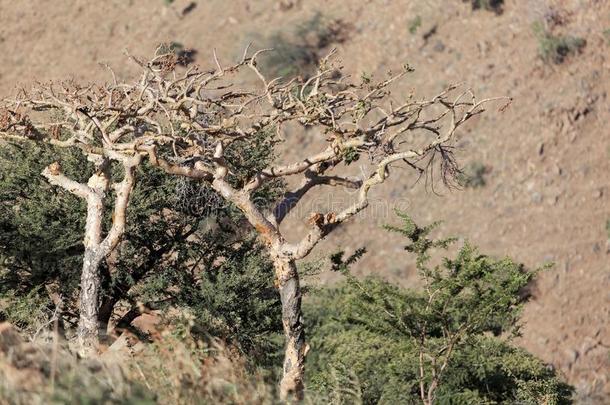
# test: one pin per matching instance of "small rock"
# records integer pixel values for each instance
(536, 197)
(190, 7)
(598, 193)
(439, 46)
(572, 356)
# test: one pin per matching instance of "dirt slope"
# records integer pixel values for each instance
(547, 191)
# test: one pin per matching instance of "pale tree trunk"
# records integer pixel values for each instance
(287, 277)
(294, 332)
(88, 325)
(96, 249)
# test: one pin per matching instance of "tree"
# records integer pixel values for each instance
(180, 249)
(446, 343)
(68, 122)
(193, 123)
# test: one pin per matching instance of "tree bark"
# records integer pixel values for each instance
(294, 332)
(88, 324)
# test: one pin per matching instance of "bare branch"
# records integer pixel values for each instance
(123, 191)
(55, 176)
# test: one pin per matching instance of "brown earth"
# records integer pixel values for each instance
(547, 191)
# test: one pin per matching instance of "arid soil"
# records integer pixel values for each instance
(546, 196)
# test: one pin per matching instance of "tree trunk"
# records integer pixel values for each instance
(294, 333)
(88, 325)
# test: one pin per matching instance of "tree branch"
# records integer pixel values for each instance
(55, 177)
(123, 192)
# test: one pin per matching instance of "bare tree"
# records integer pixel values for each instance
(188, 121)
(69, 116)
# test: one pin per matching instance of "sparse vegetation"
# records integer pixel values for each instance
(414, 25)
(473, 175)
(298, 50)
(184, 56)
(556, 49)
(606, 34)
(491, 5)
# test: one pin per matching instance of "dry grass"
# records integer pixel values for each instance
(170, 371)
(183, 371)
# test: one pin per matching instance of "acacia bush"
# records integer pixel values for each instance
(448, 343)
(41, 232)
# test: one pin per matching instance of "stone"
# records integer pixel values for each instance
(439, 46)
(536, 197)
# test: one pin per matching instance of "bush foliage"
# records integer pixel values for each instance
(451, 337)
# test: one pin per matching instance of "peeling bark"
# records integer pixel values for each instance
(88, 325)
(292, 319)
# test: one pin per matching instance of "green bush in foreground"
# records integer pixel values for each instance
(449, 343)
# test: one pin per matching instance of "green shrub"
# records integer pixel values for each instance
(606, 34)
(451, 338)
(473, 175)
(555, 49)
(414, 25)
(298, 49)
(28, 311)
(173, 224)
(234, 299)
(490, 5)
(41, 230)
